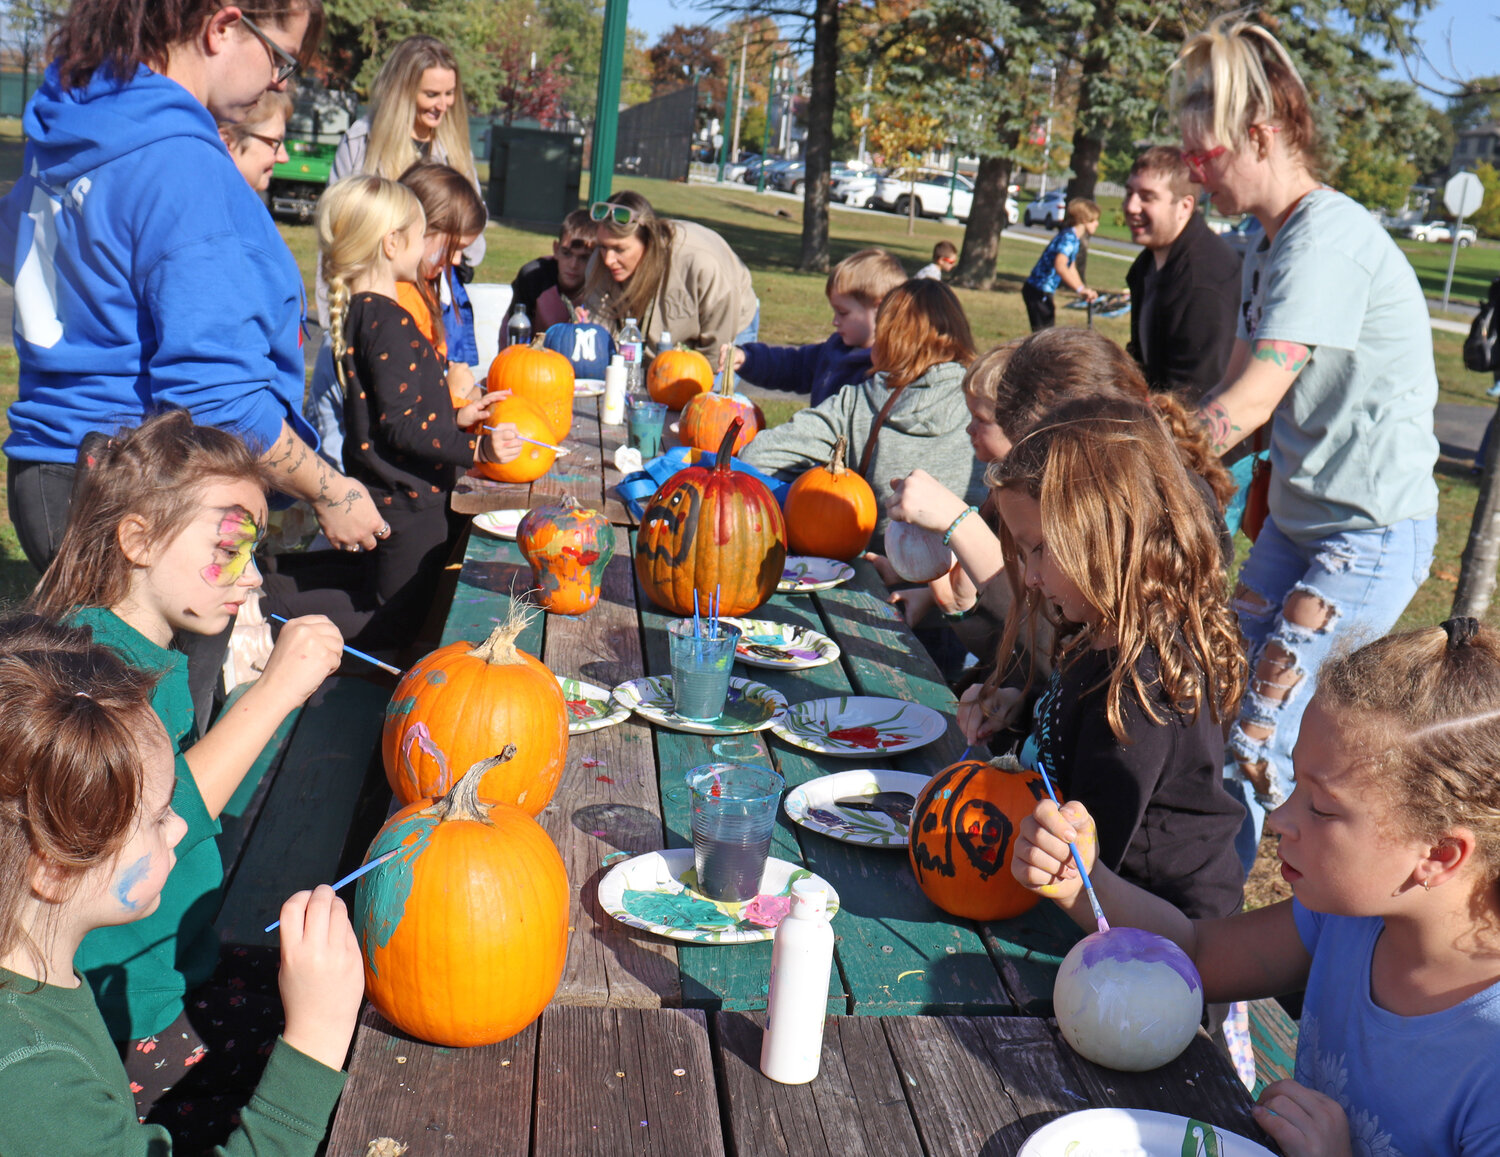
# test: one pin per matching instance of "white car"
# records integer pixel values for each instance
(1442, 231)
(1049, 209)
(855, 190)
(931, 193)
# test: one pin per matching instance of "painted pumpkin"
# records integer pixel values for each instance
(568, 548)
(677, 376)
(465, 930)
(830, 510)
(706, 417)
(530, 423)
(587, 346)
(963, 829)
(915, 553)
(541, 376)
(711, 529)
(462, 703)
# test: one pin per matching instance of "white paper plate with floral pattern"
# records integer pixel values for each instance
(589, 707)
(654, 892)
(812, 805)
(1135, 1133)
(802, 573)
(750, 706)
(781, 646)
(858, 726)
(500, 523)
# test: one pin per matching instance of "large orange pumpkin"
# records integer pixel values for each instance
(963, 829)
(541, 376)
(830, 510)
(462, 703)
(706, 417)
(679, 375)
(465, 929)
(568, 548)
(530, 423)
(711, 530)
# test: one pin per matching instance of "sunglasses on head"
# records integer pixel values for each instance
(621, 215)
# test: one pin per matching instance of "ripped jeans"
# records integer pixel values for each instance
(1297, 603)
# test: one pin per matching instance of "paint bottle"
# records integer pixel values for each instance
(613, 413)
(801, 964)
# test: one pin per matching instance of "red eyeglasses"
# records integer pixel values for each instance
(1196, 161)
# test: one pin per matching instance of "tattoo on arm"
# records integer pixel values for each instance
(1284, 355)
(1221, 429)
(291, 457)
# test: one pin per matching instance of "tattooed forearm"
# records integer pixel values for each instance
(1221, 429)
(1284, 355)
(302, 474)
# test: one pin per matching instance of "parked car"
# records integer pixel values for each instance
(1442, 231)
(790, 179)
(735, 169)
(856, 189)
(931, 192)
(1048, 210)
(772, 166)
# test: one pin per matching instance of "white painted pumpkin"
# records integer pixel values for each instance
(917, 555)
(1127, 999)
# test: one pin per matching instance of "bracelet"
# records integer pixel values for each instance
(959, 616)
(952, 526)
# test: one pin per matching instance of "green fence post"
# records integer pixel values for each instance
(607, 103)
(724, 137)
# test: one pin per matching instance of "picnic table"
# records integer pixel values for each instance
(938, 1039)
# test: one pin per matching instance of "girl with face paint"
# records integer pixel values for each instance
(88, 837)
(161, 542)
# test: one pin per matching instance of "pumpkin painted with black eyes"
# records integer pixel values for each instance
(568, 548)
(711, 530)
(963, 832)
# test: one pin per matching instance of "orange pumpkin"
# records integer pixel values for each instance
(465, 930)
(541, 376)
(709, 530)
(462, 703)
(531, 423)
(963, 829)
(568, 548)
(679, 375)
(706, 417)
(830, 510)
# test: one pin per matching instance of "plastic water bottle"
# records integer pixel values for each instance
(801, 962)
(665, 344)
(631, 345)
(518, 328)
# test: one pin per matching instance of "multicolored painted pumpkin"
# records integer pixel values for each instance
(530, 423)
(462, 703)
(541, 376)
(464, 932)
(568, 548)
(710, 530)
(586, 345)
(963, 829)
(830, 510)
(706, 417)
(679, 375)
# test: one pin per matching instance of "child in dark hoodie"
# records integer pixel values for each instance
(855, 289)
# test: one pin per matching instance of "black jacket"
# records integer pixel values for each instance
(1196, 294)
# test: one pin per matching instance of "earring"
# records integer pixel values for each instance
(1426, 886)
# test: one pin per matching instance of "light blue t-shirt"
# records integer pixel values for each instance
(1044, 274)
(1352, 443)
(1412, 1086)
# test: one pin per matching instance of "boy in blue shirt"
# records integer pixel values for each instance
(1055, 265)
(855, 289)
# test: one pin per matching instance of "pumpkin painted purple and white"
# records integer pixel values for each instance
(1127, 999)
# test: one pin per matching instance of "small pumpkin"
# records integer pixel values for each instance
(531, 423)
(963, 829)
(541, 376)
(707, 530)
(677, 376)
(462, 703)
(830, 510)
(464, 932)
(916, 554)
(586, 345)
(568, 548)
(706, 417)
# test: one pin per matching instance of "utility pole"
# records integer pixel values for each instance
(607, 103)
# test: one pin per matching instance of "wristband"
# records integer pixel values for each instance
(952, 526)
(959, 616)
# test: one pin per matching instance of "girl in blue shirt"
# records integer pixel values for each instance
(1056, 265)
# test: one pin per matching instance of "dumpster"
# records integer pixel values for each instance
(534, 175)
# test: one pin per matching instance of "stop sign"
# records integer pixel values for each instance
(1463, 194)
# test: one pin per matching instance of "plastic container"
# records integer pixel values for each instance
(801, 963)
(632, 349)
(613, 412)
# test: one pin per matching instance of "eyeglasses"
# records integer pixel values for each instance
(1196, 161)
(286, 64)
(576, 249)
(621, 215)
(272, 143)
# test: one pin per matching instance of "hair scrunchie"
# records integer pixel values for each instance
(1461, 631)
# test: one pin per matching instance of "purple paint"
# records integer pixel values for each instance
(1135, 944)
(126, 881)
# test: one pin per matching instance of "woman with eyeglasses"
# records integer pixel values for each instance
(1334, 360)
(258, 143)
(677, 277)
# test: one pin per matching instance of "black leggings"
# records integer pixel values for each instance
(1041, 310)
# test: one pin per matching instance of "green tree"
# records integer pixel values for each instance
(1477, 104)
(1373, 176)
(1487, 219)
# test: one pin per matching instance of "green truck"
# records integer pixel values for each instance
(313, 132)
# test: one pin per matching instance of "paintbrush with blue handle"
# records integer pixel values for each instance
(1088, 885)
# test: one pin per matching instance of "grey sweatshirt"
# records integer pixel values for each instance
(926, 427)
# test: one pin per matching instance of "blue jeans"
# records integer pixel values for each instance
(747, 335)
(1297, 603)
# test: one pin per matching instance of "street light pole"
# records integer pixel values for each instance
(724, 127)
(765, 136)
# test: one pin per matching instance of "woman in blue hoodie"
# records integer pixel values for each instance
(146, 272)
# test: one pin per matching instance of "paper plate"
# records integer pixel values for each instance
(588, 387)
(653, 892)
(1135, 1133)
(811, 805)
(590, 707)
(856, 726)
(781, 646)
(802, 573)
(500, 523)
(751, 706)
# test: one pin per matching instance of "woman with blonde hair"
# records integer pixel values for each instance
(1333, 358)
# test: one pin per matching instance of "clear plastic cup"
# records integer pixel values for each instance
(733, 815)
(700, 667)
(643, 427)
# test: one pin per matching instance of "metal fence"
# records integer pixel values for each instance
(655, 139)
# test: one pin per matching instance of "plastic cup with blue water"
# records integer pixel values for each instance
(643, 427)
(702, 653)
(733, 809)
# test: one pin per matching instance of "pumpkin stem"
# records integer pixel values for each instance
(462, 802)
(499, 650)
(726, 447)
(836, 463)
(726, 387)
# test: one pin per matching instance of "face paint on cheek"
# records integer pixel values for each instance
(127, 880)
(238, 536)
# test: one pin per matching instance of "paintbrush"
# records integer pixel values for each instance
(358, 654)
(1088, 885)
(350, 878)
(558, 450)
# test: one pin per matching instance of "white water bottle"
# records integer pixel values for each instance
(801, 964)
(632, 349)
(613, 412)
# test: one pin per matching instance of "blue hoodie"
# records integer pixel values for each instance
(820, 369)
(147, 273)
